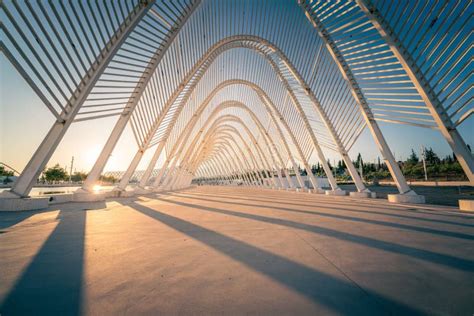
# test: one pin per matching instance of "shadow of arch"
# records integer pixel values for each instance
(334, 204)
(339, 295)
(52, 284)
(433, 231)
(425, 255)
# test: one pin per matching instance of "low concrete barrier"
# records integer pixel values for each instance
(336, 192)
(88, 197)
(466, 205)
(432, 183)
(61, 198)
(363, 195)
(23, 204)
(406, 198)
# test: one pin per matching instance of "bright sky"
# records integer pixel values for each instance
(24, 122)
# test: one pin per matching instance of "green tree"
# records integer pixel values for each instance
(4, 172)
(431, 157)
(341, 166)
(56, 173)
(413, 158)
(302, 171)
(359, 162)
(78, 176)
(109, 179)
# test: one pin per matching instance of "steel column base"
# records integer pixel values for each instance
(336, 192)
(466, 205)
(9, 195)
(301, 190)
(125, 193)
(140, 190)
(409, 198)
(23, 204)
(363, 195)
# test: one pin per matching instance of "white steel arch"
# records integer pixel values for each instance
(223, 134)
(270, 108)
(233, 104)
(227, 118)
(266, 48)
(370, 25)
(155, 65)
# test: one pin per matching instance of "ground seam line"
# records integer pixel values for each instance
(341, 271)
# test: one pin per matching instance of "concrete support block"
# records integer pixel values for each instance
(82, 195)
(318, 191)
(23, 204)
(61, 198)
(139, 190)
(409, 198)
(127, 193)
(363, 195)
(336, 192)
(466, 205)
(113, 193)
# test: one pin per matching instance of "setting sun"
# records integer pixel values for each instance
(89, 157)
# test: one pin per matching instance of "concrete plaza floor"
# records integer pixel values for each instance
(217, 250)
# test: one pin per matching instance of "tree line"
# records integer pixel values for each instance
(447, 168)
(58, 174)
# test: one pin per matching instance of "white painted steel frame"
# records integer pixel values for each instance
(45, 150)
(438, 112)
(212, 153)
(242, 41)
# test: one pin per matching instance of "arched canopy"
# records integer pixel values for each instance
(164, 67)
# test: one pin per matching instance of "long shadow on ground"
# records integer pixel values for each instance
(339, 295)
(332, 205)
(344, 217)
(9, 219)
(425, 255)
(52, 283)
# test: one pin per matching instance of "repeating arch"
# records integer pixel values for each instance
(266, 49)
(210, 121)
(189, 125)
(270, 108)
(155, 66)
(228, 118)
(222, 130)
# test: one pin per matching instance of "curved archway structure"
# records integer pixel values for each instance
(231, 97)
